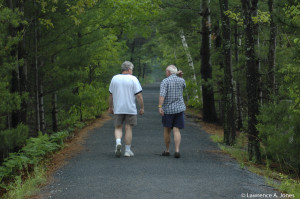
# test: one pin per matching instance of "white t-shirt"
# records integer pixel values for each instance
(123, 88)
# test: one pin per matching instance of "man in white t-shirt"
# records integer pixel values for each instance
(124, 88)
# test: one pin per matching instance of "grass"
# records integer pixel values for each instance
(21, 189)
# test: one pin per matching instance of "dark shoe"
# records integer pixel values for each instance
(118, 150)
(177, 155)
(165, 153)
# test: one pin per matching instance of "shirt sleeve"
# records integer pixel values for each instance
(163, 90)
(137, 87)
(111, 86)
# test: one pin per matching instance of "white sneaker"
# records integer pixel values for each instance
(118, 150)
(128, 154)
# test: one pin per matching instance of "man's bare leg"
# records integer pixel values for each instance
(118, 132)
(177, 138)
(118, 136)
(167, 137)
(128, 134)
(128, 140)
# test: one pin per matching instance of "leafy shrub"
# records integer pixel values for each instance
(59, 137)
(290, 186)
(37, 148)
(91, 101)
(279, 127)
(31, 154)
(192, 93)
(13, 138)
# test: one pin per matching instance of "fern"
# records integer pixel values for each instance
(59, 137)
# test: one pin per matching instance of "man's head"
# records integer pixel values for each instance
(127, 66)
(171, 70)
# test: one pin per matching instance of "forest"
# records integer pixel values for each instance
(240, 58)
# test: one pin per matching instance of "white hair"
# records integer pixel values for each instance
(127, 65)
(172, 69)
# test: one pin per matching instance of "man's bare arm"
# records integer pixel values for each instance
(140, 100)
(111, 104)
(160, 103)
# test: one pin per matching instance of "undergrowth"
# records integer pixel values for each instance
(21, 170)
(238, 151)
(20, 189)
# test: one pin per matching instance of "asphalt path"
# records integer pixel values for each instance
(201, 172)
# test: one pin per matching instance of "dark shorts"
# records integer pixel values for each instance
(173, 120)
(125, 118)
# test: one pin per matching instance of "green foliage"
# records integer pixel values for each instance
(20, 189)
(292, 12)
(292, 81)
(35, 150)
(234, 16)
(13, 165)
(13, 138)
(290, 186)
(262, 17)
(278, 127)
(59, 137)
(90, 102)
(93, 100)
(193, 95)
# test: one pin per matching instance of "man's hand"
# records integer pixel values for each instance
(141, 112)
(161, 111)
(180, 73)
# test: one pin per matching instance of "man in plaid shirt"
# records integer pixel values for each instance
(171, 107)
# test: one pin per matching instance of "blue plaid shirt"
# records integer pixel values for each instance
(171, 88)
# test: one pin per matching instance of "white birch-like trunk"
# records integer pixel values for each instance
(188, 54)
(190, 59)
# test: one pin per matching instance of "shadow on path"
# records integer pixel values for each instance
(201, 172)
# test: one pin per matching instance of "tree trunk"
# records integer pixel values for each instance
(132, 51)
(15, 83)
(42, 109)
(190, 59)
(139, 69)
(209, 110)
(250, 7)
(238, 93)
(54, 112)
(239, 106)
(188, 54)
(236, 43)
(229, 115)
(272, 53)
(37, 105)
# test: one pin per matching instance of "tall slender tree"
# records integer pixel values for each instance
(249, 10)
(209, 110)
(228, 95)
(190, 60)
(272, 51)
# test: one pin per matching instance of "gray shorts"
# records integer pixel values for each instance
(128, 119)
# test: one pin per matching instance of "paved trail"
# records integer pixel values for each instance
(201, 172)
